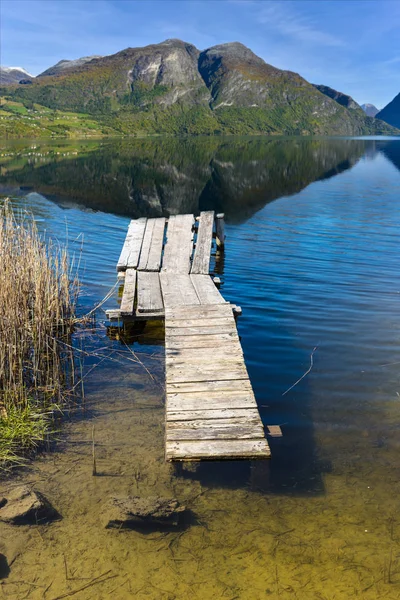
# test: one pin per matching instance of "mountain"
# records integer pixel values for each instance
(339, 97)
(174, 88)
(13, 75)
(370, 110)
(67, 65)
(169, 175)
(391, 113)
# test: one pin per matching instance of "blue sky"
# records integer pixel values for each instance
(351, 45)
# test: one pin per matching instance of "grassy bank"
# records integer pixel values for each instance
(37, 306)
(36, 121)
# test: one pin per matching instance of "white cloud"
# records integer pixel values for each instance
(284, 19)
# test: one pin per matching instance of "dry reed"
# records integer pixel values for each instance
(37, 305)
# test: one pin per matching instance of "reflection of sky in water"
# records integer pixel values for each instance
(317, 268)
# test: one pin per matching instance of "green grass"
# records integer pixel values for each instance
(22, 431)
(19, 121)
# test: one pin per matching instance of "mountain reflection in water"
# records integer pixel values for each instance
(153, 177)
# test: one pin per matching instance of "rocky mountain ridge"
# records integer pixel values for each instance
(65, 65)
(173, 87)
(13, 75)
(342, 99)
(391, 113)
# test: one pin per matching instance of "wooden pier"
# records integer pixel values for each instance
(211, 411)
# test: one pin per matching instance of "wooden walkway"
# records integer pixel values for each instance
(211, 411)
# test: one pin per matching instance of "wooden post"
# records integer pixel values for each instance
(220, 230)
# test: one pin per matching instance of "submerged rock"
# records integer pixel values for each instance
(133, 511)
(25, 506)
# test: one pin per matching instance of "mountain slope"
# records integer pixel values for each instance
(174, 88)
(370, 110)
(391, 113)
(342, 99)
(67, 65)
(13, 75)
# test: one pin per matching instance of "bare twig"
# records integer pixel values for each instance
(94, 471)
(84, 587)
(306, 373)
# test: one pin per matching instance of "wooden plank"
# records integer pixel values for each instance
(113, 314)
(128, 295)
(204, 322)
(215, 431)
(157, 242)
(146, 245)
(206, 373)
(130, 253)
(202, 331)
(203, 354)
(196, 311)
(217, 449)
(221, 423)
(202, 254)
(206, 290)
(228, 340)
(179, 245)
(150, 256)
(211, 386)
(274, 431)
(180, 362)
(149, 293)
(247, 414)
(224, 400)
(177, 290)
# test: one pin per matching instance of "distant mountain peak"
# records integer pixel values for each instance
(370, 110)
(13, 75)
(65, 65)
(9, 69)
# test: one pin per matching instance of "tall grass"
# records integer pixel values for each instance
(37, 311)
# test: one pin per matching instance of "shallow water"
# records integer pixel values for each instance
(312, 258)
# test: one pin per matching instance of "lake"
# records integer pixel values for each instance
(312, 257)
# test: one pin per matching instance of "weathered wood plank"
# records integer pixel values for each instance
(274, 431)
(203, 341)
(203, 354)
(149, 293)
(229, 385)
(207, 401)
(179, 245)
(175, 363)
(198, 312)
(177, 290)
(245, 414)
(203, 322)
(154, 260)
(146, 245)
(128, 294)
(221, 423)
(202, 253)
(130, 253)
(215, 431)
(206, 331)
(217, 449)
(191, 373)
(113, 313)
(150, 256)
(206, 290)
